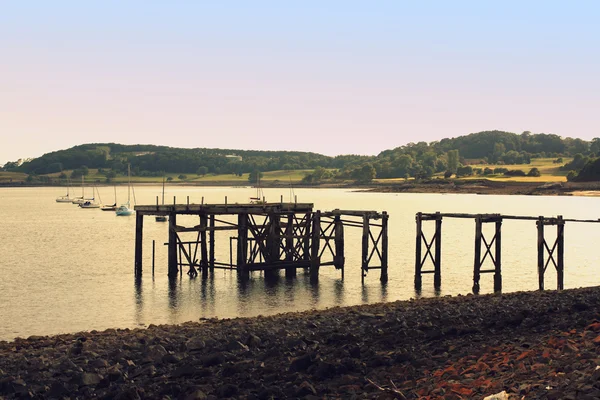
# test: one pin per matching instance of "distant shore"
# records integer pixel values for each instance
(532, 345)
(467, 186)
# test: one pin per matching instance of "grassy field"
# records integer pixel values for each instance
(550, 172)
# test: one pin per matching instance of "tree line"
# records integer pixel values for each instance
(418, 160)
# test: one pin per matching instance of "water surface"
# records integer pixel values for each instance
(66, 269)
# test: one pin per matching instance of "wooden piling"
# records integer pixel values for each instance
(384, 247)
(498, 257)
(437, 275)
(153, 254)
(540, 247)
(418, 262)
(290, 271)
(340, 259)
(242, 246)
(172, 246)
(477, 262)
(560, 248)
(315, 259)
(139, 229)
(365, 248)
(203, 245)
(211, 249)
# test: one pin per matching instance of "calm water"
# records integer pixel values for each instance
(66, 269)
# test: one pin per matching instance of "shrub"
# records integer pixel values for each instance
(515, 172)
(534, 172)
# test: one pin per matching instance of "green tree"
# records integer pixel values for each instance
(254, 176)
(453, 160)
(182, 177)
(202, 171)
(364, 174)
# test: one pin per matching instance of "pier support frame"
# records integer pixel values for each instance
(557, 250)
(496, 244)
(436, 244)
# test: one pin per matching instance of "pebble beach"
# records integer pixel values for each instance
(531, 345)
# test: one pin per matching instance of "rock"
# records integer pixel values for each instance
(235, 345)
(227, 390)
(185, 370)
(301, 363)
(305, 389)
(196, 395)
(88, 379)
(212, 359)
(195, 344)
(253, 341)
(170, 359)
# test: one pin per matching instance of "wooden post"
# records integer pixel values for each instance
(172, 247)
(418, 264)
(211, 249)
(365, 248)
(540, 246)
(242, 245)
(560, 248)
(307, 235)
(498, 257)
(203, 245)
(340, 259)
(153, 253)
(289, 246)
(437, 275)
(477, 262)
(139, 228)
(384, 247)
(315, 261)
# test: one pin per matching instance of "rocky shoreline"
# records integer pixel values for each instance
(531, 345)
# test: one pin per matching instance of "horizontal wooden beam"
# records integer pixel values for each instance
(224, 209)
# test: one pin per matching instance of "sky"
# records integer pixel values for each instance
(332, 77)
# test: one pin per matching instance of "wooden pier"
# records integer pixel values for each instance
(268, 237)
(550, 250)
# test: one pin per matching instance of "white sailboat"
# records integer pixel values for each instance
(66, 198)
(162, 218)
(124, 209)
(82, 199)
(91, 203)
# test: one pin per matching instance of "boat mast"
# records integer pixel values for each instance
(128, 181)
(163, 193)
(82, 189)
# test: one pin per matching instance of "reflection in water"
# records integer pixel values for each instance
(338, 291)
(139, 300)
(384, 292)
(314, 290)
(173, 293)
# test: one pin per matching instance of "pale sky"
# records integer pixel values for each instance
(333, 77)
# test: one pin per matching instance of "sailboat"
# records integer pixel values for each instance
(260, 198)
(66, 198)
(112, 207)
(91, 203)
(82, 199)
(124, 209)
(162, 218)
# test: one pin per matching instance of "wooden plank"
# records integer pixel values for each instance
(139, 230)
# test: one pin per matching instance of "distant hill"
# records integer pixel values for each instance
(419, 160)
